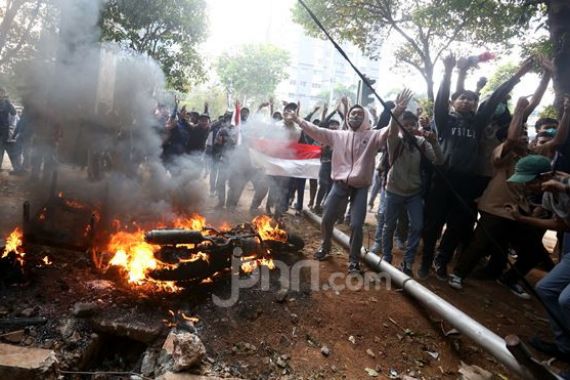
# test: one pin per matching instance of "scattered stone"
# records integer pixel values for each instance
(99, 285)
(244, 348)
(124, 325)
(433, 354)
(189, 376)
(473, 372)
(352, 339)
(407, 377)
(84, 309)
(280, 362)
(325, 351)
(188, 351)
(371, 372)
(149, 361)
(67, 327)
(15, 337)
(294, 318)
(28, 312)
(281, 296)
(377, 340)
(370, 353)
(23, 363)
(334, 369)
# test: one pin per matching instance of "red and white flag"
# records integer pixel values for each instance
(285, 158)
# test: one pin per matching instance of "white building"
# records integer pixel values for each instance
(316, 68)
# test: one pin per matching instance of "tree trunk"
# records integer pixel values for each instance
(429, 81)
(558, 19)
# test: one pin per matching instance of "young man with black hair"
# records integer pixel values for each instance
(496, 228)
(534, 173)
(352, 170)
(459, 131)
(404, 180)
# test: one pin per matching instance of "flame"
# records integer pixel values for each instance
(136, 258)
(195, 222)
(47, 261)
(251, 263)
(14, 244)
(268, 229)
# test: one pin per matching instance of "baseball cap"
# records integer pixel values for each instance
(529, 168)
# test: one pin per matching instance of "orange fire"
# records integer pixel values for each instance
(14, 244)
(137, 258)
(268, 229)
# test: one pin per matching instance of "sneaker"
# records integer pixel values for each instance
(298, 213)
(400, 244)
(440, 271)
(515, 288)
(321, 254)
(354, 268)
(455, 282)
(318, 210)
(423, 273)
(549, 348)
(406, 269)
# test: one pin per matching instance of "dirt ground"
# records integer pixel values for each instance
(374, 333)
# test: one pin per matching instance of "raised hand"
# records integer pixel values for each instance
(522, 104)
(449, 62)
(553, 186)
(402, 101)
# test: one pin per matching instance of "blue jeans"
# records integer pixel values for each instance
(336, 202)
(554, 290)
(402, 228)
(415, 207)
(380, 218)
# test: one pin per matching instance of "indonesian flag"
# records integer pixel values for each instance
(285, 158)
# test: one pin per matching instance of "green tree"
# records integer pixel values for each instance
(426, 28)
(20, 25)
(501, 75)
(253, 72)
(167, 30)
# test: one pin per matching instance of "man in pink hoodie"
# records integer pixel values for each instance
(354, 151)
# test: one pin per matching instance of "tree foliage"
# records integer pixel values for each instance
(253, 72)
(167, 30)
(20, 26)
(426, 28)
(501, 75)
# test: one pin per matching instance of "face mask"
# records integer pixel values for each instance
(355, 122)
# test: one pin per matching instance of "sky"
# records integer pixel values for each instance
(233, 23)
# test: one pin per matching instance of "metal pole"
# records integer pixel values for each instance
(491, 342)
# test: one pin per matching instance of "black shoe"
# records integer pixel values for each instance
(321, 254)
(440, 271)
(515, 288)
(354, 268)
(423, 273)
(549, 348)
(406, 269)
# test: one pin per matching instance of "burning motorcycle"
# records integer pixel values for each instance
(188, 256)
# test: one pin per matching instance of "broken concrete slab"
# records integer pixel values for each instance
(26, 363)
(124, 325)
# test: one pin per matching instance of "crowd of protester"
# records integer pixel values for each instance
(465, 179)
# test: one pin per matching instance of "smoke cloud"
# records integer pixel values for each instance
(99, 100)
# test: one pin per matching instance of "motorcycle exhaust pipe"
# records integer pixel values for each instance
(173, 237)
